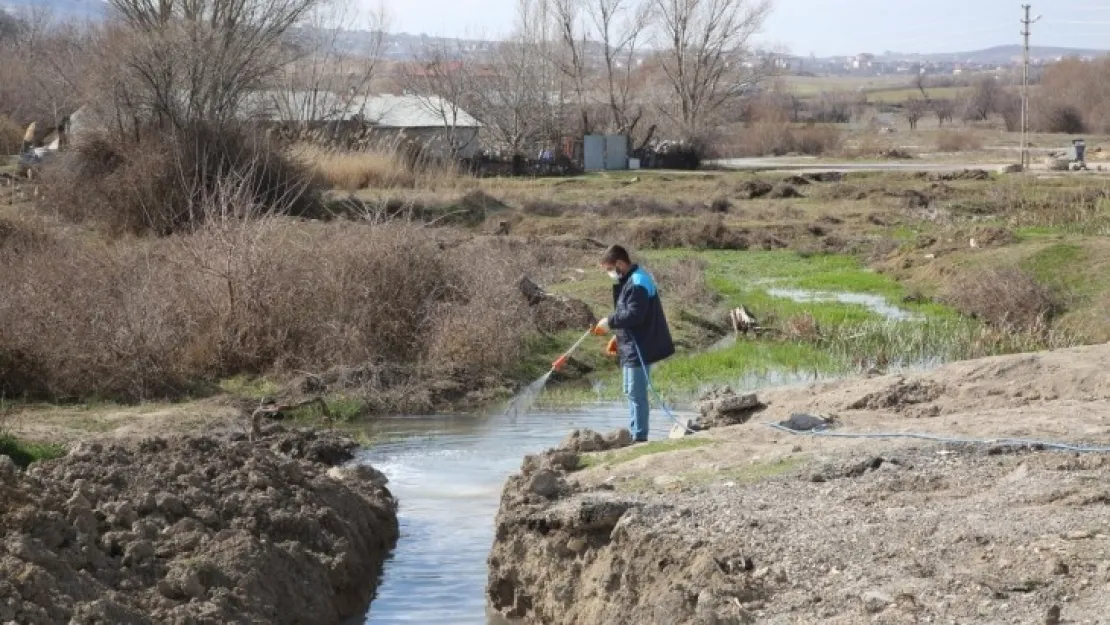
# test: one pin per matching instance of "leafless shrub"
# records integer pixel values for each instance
(702, 232)
(144, 318)
(777, 139)
(915, 110)
(1006, 298)
(684, 282)
(11, 136)
(958, 141)
(1063, 118)
(1072, 97)
(945, 110)
(160, 184)
(802, 327)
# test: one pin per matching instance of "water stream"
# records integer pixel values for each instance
(447, 473)
(875, 303)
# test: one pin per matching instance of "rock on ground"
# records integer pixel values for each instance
(724, 407)
(587, 440)
(198, 530)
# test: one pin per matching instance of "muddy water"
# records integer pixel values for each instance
(875, 303)
(447, 474)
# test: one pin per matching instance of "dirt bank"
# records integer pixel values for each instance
(198, 530)
(758, 525)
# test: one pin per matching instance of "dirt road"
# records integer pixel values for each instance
(758, 525)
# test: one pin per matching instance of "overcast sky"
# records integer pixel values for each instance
(830, 27)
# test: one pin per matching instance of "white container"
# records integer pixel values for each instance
(633, 163)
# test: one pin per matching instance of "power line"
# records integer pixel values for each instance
(1027, 22)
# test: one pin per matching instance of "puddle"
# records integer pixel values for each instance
(875, 303)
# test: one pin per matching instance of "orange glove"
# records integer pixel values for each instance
(560, 363)
(611, 348)
(602, 327)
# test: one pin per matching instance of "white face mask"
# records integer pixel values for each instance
(614, 276)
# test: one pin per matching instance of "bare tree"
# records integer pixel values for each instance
(509, 96)
(602, 41)
(704, 48)
(518, 93)
(443, 78)
(622, 26)
(572, 58)
(944, 109)
(198, 59)
(921, 81)
(915, 109)
(323, 78)
(43, 68)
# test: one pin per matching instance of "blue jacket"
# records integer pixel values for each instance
(639, 317)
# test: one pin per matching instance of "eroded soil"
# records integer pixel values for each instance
(759, 525)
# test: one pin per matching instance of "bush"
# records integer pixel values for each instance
(138, 319)
(1072, 97)
(957, 141)
(1008, 299)
(707, 232)
(684, 282)
(778, 139)
(11, 137)
(173, 182)
(1065, 119)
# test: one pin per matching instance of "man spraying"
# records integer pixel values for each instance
(641, 337)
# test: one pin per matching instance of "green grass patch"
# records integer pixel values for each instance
(341, 409)
(747, 277)
(688, 373)
(611, 458)
(254, 387)
(1027, 233)
(1060, 266)
(23, 453)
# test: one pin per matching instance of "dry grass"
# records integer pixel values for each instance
(684, 281)
(781, 138)
(874, 146)
(958, 141)
(385, 167)
(135, 319)
(706, 232)
(11, 137)
(1009, 299)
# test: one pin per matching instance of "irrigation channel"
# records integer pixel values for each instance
(447, 473)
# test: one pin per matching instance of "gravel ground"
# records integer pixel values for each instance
(760, 526)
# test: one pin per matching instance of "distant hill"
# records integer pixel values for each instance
(61, 9)
(1002, 55)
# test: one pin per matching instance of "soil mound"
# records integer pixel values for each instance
(724, 407)
(900, 395)
(196, 529)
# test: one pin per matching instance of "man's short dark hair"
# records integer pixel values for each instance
(615, 254)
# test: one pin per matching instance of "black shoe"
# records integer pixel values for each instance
(639, 440)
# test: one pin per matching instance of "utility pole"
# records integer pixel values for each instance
(1027, 22)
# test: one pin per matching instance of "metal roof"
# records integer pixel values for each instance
(387, 111)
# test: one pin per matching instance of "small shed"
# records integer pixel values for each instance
(604, 152)
(1078, 151)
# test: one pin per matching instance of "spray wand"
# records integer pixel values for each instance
(561, 362)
